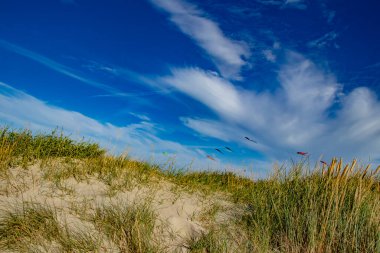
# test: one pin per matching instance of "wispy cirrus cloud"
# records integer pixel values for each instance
(271, 2)
(327, 13)
(211, 128)
(213, 91)
(295, 4)
(67, 71)
(20, 109)
(140, 116)
(269, 55)
(140, 140)
(121, 72)
(328, 39)
(297, 116)
(47, 62)
(229, 55)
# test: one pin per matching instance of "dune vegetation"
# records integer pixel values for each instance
(61, 195)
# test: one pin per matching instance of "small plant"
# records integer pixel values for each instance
(30, 223)
(225, 238)
(210, 242)
(77, 242)
(35, 224)
(129, 227)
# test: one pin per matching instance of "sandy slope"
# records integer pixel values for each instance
(180, 215)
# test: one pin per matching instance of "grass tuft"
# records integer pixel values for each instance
(35, 224)
(32, 222)
(129, 227)
(328, 210)
(28, 147)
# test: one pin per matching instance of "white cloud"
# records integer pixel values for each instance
(295, 4)
(210, 128)
(19, 109)
(306, 88)
(330, 15)
(327, 12)
(139, 140)
(293, 1)
(54, 65)
(211, 90)
(229, 55)
(297, 116)
(58, 67)
(325, 40)
(276, 45)
(269, 55)
(121, 72)
(140, 116)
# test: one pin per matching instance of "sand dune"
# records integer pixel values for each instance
(180, 216)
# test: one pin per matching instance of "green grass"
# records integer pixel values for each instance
(329, 211)
(212, 242)
(297, 209)
(37, 225)
(222, 238)
(19, 227)
(27, 147)
(129, 227)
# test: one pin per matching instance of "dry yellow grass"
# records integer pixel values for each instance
(85, 197)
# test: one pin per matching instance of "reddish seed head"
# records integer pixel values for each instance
(210, 157)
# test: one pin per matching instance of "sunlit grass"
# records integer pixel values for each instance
(129, 227)
(22, 226)
(297, 209)
(328, 210)
(26, 146)
(35, 225)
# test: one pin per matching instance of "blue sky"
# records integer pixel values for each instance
(164, 79)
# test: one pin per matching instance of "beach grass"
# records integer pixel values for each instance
(331, 208)
(34, 227)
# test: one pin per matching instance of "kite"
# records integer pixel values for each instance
(250, 139)
(219, 150)
(228, 149)
(324, 163)
(302, 153)
(210, 157)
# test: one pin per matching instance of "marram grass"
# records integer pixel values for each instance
(129, 227)
(33, 226)
(27, 146)
(297, 209)
(333, 209)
